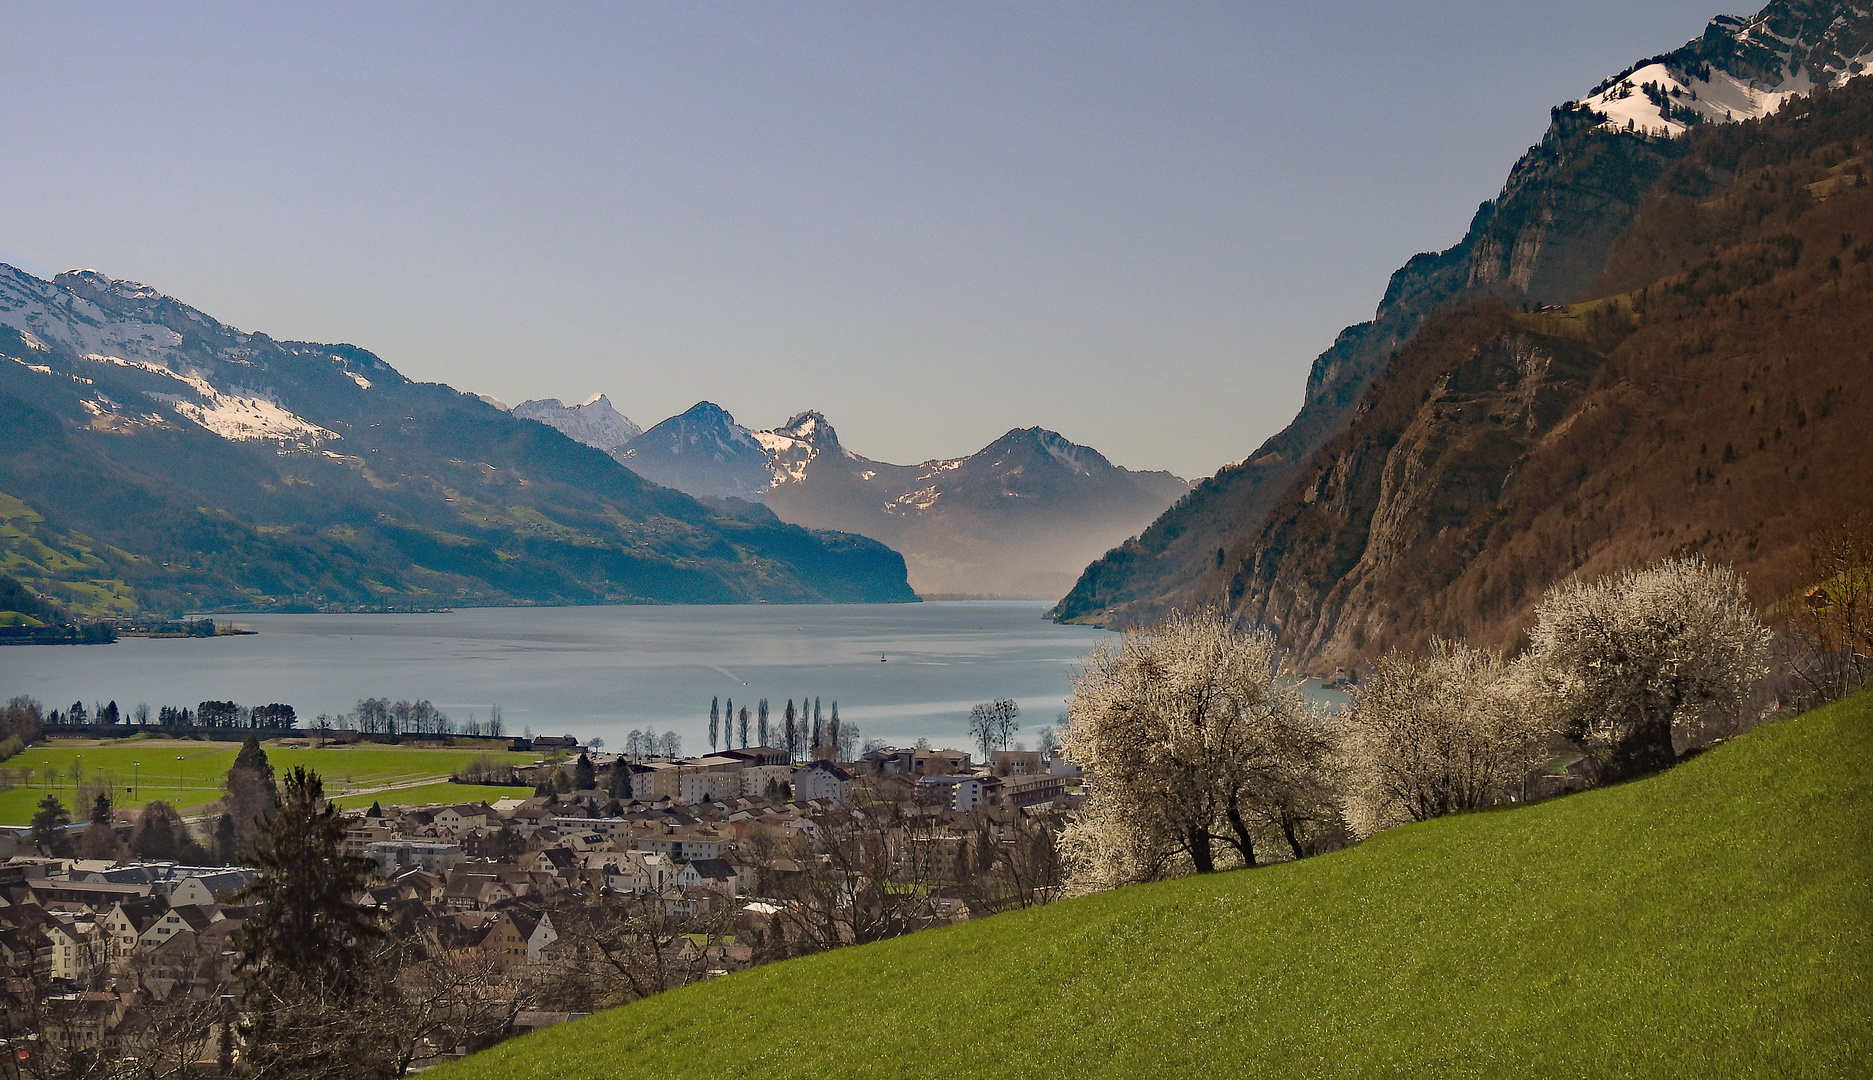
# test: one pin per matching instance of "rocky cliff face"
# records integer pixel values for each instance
(1709, 398)
(1544, 240)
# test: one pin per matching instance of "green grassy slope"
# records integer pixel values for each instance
(1712, 921)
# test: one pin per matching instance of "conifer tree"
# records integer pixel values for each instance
(744, 727)
(48, 826)
(715, 719)
(761, 721)
(584, 776)
(160, 833)
(227, 843)
(100, 838)
(306, 967)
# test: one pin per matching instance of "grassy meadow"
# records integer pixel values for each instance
(1715, 920)
(187, 773)
(426, 794)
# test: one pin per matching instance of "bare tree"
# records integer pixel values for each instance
(1829, 622)
(992, 725)
(871, 876)
(440, 1001)
(627, 946)
(1017, 865)
(1625, 659)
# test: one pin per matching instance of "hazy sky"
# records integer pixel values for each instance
(1135, 224)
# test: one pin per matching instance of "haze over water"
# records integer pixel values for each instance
(601, 671)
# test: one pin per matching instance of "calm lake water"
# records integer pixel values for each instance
(601, 671)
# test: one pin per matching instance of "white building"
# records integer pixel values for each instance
(823, 780)
(435, 856)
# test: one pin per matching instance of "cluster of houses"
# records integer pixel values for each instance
(89, 947)
(485, 882)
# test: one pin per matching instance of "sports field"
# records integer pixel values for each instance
(186, 773)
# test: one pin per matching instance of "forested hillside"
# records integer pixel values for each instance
(152, 458)
(1648, 346)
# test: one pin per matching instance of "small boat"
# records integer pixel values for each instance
(882, 660)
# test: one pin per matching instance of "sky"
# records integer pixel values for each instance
(1135, 224)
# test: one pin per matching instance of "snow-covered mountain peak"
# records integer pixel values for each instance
(1740, 69)
(593, 421)
(811, 427)
(91, 280)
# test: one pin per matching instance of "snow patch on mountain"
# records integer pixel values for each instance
(242, 416)
(1740, 69)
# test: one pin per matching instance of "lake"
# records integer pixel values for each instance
(601, 671)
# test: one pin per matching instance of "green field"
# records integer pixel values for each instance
(1716, 920)
(427, 794)
(187, 773)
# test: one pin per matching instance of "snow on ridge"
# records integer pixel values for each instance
(54, 314)
(362, 382)
(593, 422)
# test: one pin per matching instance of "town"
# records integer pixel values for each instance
(630, 875)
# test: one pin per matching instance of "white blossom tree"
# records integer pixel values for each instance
(1436, 734)
(1624, 659)
(1187, 735)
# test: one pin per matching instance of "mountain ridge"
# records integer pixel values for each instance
(1544, 240)
(1015, 518)
(156, 459)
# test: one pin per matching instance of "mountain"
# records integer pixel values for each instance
(1016, 518)
(1594, 195)
(703, 452)
(593, 421)
(154, 458)
(1013, 519)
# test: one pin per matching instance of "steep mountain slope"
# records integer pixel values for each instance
(1712, 399)
(702, 451)
(152, 457)
(1709, 921)
(1544, 240)
(1017, 518)
(593, 421)
(1012, 519)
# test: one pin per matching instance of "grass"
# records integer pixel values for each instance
(187, 773)
(1715, 920)
(436, 793)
